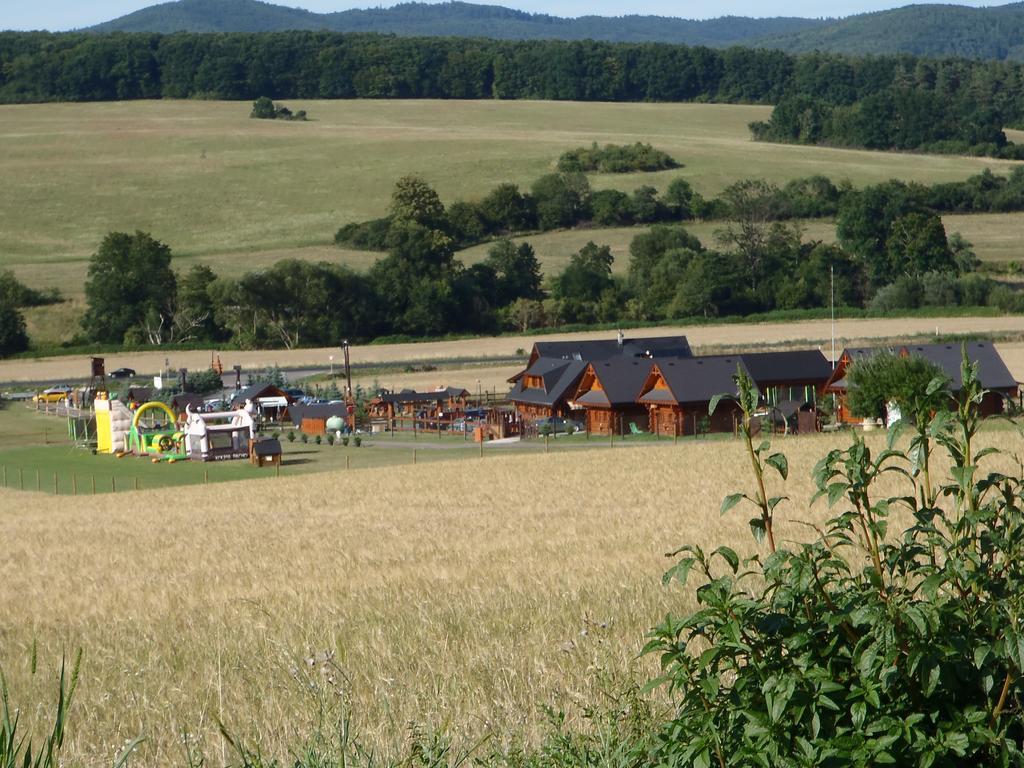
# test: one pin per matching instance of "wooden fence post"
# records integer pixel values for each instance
(348, 462)
(113, 484)
(5, 475)
(206, 476)
(413, 455)
(546, 443)
(38, 486)
(74, 484)
(21, 479)
(55, 492)
(136, 483)
(93, 485)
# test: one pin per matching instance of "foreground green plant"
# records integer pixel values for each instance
(860, 648)
(16, 747)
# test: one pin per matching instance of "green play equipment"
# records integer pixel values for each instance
(149, 436)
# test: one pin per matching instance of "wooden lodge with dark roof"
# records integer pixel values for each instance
(553, 372)
(992, 373)
(544, 389)
(588, 350)
(677, 394)
(608, 392)
(796, 375)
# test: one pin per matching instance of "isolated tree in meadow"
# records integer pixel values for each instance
(13, 336)
(129, 277)
(413, 200)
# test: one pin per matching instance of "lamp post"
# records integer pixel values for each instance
(331, 358)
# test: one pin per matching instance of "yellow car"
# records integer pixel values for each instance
(54, 394)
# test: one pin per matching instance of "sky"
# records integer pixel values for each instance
(69, 14)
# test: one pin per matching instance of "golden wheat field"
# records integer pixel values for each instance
(462, 596)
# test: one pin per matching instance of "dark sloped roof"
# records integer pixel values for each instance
(560, 378)
(185, 399)
(410, 396)
(621, 378)
(992, 371)
(139, 394)
(698, 379)
(603, 349)
(803, 365)
(262, 389)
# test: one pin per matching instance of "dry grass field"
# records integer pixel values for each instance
(239, 193)
(704, 337)
(457, 596)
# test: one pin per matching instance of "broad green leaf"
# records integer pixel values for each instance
(715, 401)
(758, 529)
(730, 556)
(780, 462)
(729, 502)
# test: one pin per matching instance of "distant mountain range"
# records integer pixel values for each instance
(929, 30)
(450, 19)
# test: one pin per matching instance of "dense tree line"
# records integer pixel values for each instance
(566, 200)
(40, 66)
(903, 118)
(893, 253)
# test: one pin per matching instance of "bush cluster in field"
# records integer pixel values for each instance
(264, 108)
(616, 158)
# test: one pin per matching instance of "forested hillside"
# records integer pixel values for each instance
(924, 30)
(40, 66)
(451, 19)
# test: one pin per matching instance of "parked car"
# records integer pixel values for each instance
(122, 373)
(55, 394)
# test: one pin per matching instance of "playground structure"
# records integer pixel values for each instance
(113, 422)
(153, 431)
(220, 435)
(148, 436)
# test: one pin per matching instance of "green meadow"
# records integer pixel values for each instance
(239, 194)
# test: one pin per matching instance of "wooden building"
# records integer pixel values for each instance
(992, 373)
(447, 403)
(608, 392)
(544, 389)
(269, 401)
(312, 419)
(677, 393)
(796, 376)
(589, 350)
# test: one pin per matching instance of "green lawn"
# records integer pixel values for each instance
(240, 193)
(35, 452)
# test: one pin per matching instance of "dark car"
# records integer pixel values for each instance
(122, 373)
